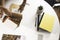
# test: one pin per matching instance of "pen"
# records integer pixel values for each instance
(39, 21)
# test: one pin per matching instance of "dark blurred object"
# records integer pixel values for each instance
(10, 37)
(1, 13)
(57, 10)
(39, 16)
(1, 4)
(40, 10)
(21, 7)
(14, 17)
(52, 2)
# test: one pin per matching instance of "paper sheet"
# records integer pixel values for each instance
(47, 22)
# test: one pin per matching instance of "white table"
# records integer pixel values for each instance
(27, 27)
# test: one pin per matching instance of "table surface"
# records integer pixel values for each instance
(27, 27)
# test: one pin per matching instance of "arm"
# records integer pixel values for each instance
(11, 14)
(6, 11)
(14, 17)
(21, 8)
